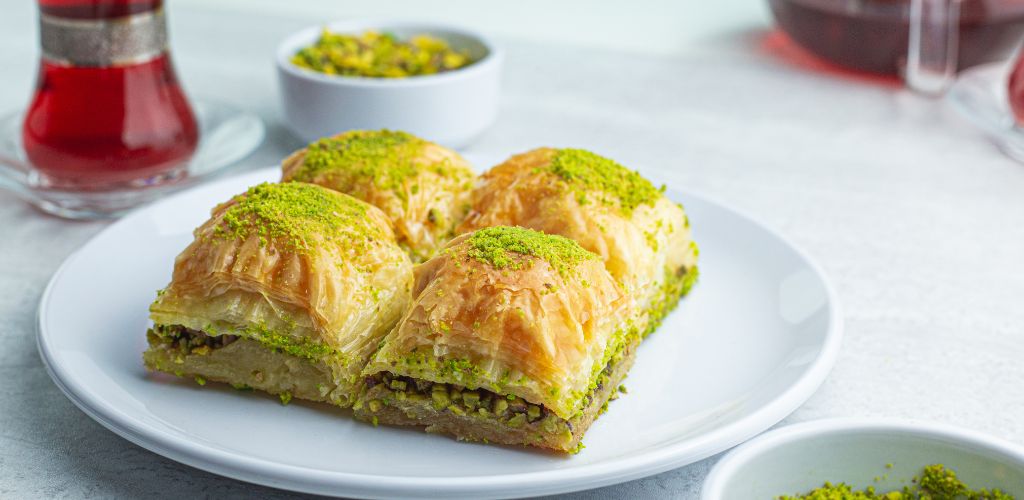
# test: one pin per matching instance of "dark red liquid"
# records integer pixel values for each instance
(872, 35)
(96, 126)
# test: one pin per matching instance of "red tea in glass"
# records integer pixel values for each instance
(108, 110)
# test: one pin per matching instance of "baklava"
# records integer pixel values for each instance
(514, 336)
(643, 238)
(423, 187)
(287, 288)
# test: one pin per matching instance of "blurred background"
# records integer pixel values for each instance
(658, 26)
(913, 213)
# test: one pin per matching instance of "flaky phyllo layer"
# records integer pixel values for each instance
(302, 270)
(643, 237)
(514, 312)
(422, 187)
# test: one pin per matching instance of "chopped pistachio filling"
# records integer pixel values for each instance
(297, 215)
(379, 55)
(512, 411)
(588, 173)
(471, 375)
(194, 342)
(498, 247)
(187, 341)
(455, 398)
(386, 390)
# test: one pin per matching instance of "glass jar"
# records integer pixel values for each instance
(877, 36)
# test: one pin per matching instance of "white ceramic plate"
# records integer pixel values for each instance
(798, 458)
(754, 339)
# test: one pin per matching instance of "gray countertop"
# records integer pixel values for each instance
(914, 216)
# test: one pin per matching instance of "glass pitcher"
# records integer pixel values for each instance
(924, 41)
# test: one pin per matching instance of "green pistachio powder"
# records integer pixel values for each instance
(934, 483)
(588, 173)
(388, 158)
(495, 246)
(296, 216)
(383, 156)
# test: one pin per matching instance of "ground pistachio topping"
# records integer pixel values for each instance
(495, 246)
(387, 157)
(297, 215)
(379, 55)
(589, 173)
(935, 482)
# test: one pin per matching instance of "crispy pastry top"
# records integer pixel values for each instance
(296, 266)
(608, 209)
(422, 187)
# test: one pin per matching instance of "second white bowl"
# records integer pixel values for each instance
(450, 108)
(798, 458)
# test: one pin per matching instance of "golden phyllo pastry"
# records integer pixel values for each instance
(642, 237)
(514, 337)
(423, 187)
(288, 288)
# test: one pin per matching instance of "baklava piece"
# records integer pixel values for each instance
(288, 288)
(513, 337)
(423, 187)
(642, 236)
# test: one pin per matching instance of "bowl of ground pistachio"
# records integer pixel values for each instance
(436, 81)
(867, 459)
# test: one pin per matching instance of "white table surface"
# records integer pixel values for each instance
(916, 218)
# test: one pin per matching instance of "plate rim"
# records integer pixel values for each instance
(285, 476)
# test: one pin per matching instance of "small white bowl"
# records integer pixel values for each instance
(798, 458)
(451, 108)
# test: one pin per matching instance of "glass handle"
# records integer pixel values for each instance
(932, 52)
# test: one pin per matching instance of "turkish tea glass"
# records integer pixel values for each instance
(109, 126)
(108, 111)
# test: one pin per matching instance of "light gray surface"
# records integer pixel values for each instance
(916, 218)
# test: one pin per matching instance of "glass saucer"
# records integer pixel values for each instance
(227, 134)
(980, 94)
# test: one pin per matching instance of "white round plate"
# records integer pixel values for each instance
(755, 338)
